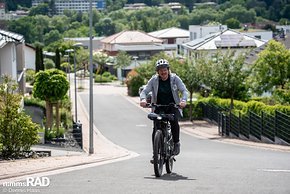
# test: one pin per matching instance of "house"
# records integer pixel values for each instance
(12, 57)
(197, 31)
(135, 6)
(139, 45)
(29, 52)
(171, 38)
(224, 40)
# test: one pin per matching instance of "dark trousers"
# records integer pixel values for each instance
(175, 129)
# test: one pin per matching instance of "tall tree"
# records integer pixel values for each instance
(37, 59)
(272, 68)
(227, 75)
(57, 59)
(191, 72)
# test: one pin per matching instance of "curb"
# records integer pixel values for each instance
(63, 167)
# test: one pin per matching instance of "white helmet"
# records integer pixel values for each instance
(161, 63)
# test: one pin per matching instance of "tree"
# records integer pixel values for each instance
(105, 27)
(52, 36)
(50, 85)
(240, 13)
(272, 68)
(226, 75)
(38, 58)
(57, 59)
(100, 58)
(41, 9)
(123, 60)
(233, 23)
(17, 131)
(190, 71)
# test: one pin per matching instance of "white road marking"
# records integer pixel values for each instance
(274, 170)
(141, 125)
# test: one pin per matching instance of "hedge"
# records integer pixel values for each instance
(244, 107)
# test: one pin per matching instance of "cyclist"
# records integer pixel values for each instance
(165, 87)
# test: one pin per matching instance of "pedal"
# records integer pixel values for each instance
(174, 159)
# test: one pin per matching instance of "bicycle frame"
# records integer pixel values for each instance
(167, 136)
(163, 141)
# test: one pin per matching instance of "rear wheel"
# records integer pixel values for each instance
(158, 153)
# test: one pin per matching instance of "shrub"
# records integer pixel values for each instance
(30, 101)
(30, 73)
(17, 132)
(101, 79)
(66, 118)
(49, 63)
(134, 82)
(106, 74)
(52, 133)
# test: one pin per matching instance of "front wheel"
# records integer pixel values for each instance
(158, 153)
(169, 160)
(169, 165)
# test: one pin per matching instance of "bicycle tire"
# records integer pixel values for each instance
(158, 157)
(169, 165)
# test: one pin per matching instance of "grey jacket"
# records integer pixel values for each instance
(176, 86)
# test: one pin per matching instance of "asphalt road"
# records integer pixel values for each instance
(203, 166)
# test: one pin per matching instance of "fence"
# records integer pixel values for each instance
(266, 128)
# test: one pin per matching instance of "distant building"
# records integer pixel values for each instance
(171, 37)
(175, 6)
(197, 31)
(3, 14)
(205, 4)
(12, 14)
(140, 45)
(258, 33)
(77, 5)
(224, 40)
(134, 6)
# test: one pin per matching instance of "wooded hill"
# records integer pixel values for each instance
(269, 9)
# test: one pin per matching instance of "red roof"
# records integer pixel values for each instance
(2, 5)
(131, 37)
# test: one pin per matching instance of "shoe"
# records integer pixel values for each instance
(176, 149)
(152, 160)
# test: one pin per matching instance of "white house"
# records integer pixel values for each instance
(197, 31)
(29, 52)
(224, 40)
(171, 38)
(12, 57)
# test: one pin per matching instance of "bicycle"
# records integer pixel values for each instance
(162, 143)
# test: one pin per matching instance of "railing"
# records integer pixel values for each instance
(266, 128)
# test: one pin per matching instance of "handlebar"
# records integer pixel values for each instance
(151, 105)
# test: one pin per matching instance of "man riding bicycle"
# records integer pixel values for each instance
(165, 87)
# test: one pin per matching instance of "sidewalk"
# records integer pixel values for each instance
(104, 150)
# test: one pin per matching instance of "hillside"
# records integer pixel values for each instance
(269, 9)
